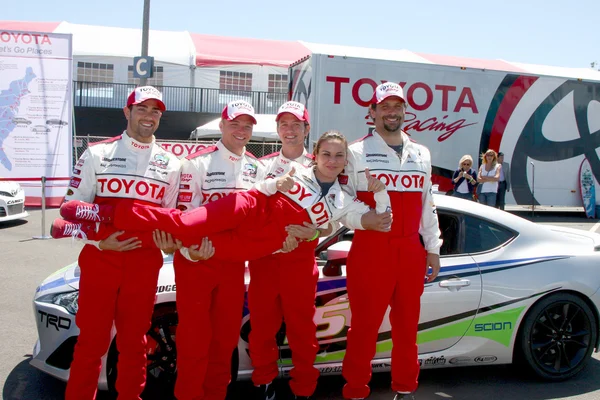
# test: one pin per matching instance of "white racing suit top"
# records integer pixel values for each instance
(213, 173)
(123, 168)
(408, 181)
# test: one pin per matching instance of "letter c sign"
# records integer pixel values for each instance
(143, 67)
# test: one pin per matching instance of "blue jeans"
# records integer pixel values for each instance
(489, 199)
(466, 196)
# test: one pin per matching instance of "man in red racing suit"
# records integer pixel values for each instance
(210, 293)
(401, 260)
(283, 285)
(118, 279)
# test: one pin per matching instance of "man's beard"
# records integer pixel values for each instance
(397, 128)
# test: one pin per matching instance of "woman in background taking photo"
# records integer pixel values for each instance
(464, 178)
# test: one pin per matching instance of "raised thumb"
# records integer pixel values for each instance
(292, 171)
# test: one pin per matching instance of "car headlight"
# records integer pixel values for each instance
(66, 300)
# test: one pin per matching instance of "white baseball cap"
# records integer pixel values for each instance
(298, 110)
(142, 93)
(237, 108)
(386, 90)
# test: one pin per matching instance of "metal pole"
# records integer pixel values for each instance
(43, 236)
(532, 188)
(145, 30)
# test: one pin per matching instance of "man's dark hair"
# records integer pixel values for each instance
(500, 154)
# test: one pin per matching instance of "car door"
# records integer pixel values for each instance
(450, 303)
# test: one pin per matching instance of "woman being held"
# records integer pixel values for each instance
(464, 178)
(253, 224)
(488, 177)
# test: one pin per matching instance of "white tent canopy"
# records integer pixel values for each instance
(264, 130)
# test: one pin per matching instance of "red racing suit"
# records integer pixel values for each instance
(283, 286)
(400, 260)
(118, 286)
(210, 294)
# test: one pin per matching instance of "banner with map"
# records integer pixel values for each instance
(36, 112)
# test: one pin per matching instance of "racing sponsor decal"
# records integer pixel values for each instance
(331, 370)
(412, 182)
(279, 171)
(485, 359)
(141, 146)
(441, 360)
(74, 183)
(138, 188)
(319, 213)
(343, 179)
(181, 207)
(460, 360)
(109, 160)
(184, 197)
(250, 170)
(51, 320)
(160, 161)
(166, 288)
(76, 171)
(493, 326)
(70, 192)
(207, 197)
(185, 177)
(10, 202)
(184, 186)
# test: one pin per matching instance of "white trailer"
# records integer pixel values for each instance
(545, 120)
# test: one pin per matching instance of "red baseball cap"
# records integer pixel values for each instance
(142, 93)
(237, 108)
(298, 110)
(386, 90)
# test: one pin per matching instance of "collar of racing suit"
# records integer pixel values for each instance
(136, 146)
(405, 141)
(228, 155)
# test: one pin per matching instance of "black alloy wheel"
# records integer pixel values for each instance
(558, 337)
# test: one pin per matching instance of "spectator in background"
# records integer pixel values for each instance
(464, 178)
(504, 182)
(488, 176)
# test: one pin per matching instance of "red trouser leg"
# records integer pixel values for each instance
(404, 316)
(298, 283)
(195, 285)
(216, 216)
(370, 283)
(98, 288)
(226, 320)
(135, 304)
(266, 316)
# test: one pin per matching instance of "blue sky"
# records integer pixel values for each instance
(530, 31)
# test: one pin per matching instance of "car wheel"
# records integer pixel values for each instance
(161, 354)
(558, 336)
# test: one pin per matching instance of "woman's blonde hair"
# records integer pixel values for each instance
(464, 158)
(490, 151)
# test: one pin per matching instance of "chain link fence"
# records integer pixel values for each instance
(180, 148)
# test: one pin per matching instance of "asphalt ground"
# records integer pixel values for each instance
(25, 262)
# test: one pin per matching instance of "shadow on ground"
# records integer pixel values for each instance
(489, 383)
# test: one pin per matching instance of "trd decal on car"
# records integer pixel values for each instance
(54, 320)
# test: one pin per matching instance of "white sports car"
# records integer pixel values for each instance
(509, 290)
(12, 201)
